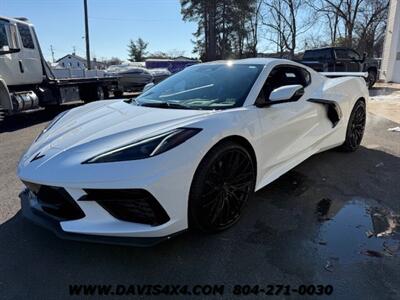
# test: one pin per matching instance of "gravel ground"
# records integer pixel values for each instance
(308, 227)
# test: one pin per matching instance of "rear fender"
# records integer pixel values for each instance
(345, 91)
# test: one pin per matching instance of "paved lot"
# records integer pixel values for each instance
(308, 227)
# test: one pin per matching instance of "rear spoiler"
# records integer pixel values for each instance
(343, 74)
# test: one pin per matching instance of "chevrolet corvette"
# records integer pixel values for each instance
(188, 152)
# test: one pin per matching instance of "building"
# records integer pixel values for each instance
(390, 68)
(73, 61)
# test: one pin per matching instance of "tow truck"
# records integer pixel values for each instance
(27, 81)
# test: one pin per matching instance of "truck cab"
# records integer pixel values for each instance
(26, 80)
(20, 58)
(341, 59)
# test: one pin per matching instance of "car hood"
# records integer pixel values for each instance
(105, 125)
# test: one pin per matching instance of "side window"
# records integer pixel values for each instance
(14, 43)
(341, 53)
(354, 55)
(285, 75)
(3, 34)
(26, 36)
(327, 54)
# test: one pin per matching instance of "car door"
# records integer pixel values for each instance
(341, 60)
(347, 60)
(354, 64)
(30, 63)
(9, 70)
(290, 131)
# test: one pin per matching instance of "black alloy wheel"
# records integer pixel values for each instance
(221, 187)
(355, 127)
(371, 79)
(2, 114)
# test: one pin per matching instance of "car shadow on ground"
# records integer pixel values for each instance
(278, 240)
(31, 118)
(382, 91)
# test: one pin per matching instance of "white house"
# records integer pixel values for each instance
(73, 61)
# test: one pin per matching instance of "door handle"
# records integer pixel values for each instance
(21, 67)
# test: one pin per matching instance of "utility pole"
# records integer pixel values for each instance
(52, 52)
(87, 35)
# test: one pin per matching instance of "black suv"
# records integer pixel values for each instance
(339, 59)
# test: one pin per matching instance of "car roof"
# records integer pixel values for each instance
(252, 61)
(329, 47)
(17, 20)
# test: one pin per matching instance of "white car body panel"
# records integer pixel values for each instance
(282, 136)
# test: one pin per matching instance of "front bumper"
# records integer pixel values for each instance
(41, 218)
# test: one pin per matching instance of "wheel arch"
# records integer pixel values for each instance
(373, 68)
(360, 99)
(236, 139)
(242, 141)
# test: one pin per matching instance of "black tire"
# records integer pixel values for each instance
(355, 127)
(93, 93)
(2, 114)
(221, 187)
(100, 95)
(106, 93)
(371, 79)
(118, 94)
(52, 108)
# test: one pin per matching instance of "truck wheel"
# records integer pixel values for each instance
(100, 93)
(106, 93)
(93, 93)
(2, 114)
(52, 109)
(371, 79)
(118, 94)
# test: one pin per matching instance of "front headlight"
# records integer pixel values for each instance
(145, 148)
(51, 124)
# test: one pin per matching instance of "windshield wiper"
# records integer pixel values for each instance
(164, 104)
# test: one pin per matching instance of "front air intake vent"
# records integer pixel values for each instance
(131, 205)
(56, 202)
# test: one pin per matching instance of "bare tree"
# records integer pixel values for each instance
(347, 11)
(330, 16)
(254, 27)
(282, 17)
(371, 24)
(361, 20)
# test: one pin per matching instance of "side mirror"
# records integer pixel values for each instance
(148, 86)
(286, 93)
(7, 50)
(364, 56)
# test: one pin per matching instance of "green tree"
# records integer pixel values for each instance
(225, 28)
(137, 50)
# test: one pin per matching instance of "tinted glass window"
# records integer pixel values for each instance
(323, 54)
(341, 53)
(285, 75)
(207, 86)
(353, 55)
(26, 36)
(3, 34)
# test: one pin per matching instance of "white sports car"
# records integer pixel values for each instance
(188, 152)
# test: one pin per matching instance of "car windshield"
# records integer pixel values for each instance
(208, 86)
